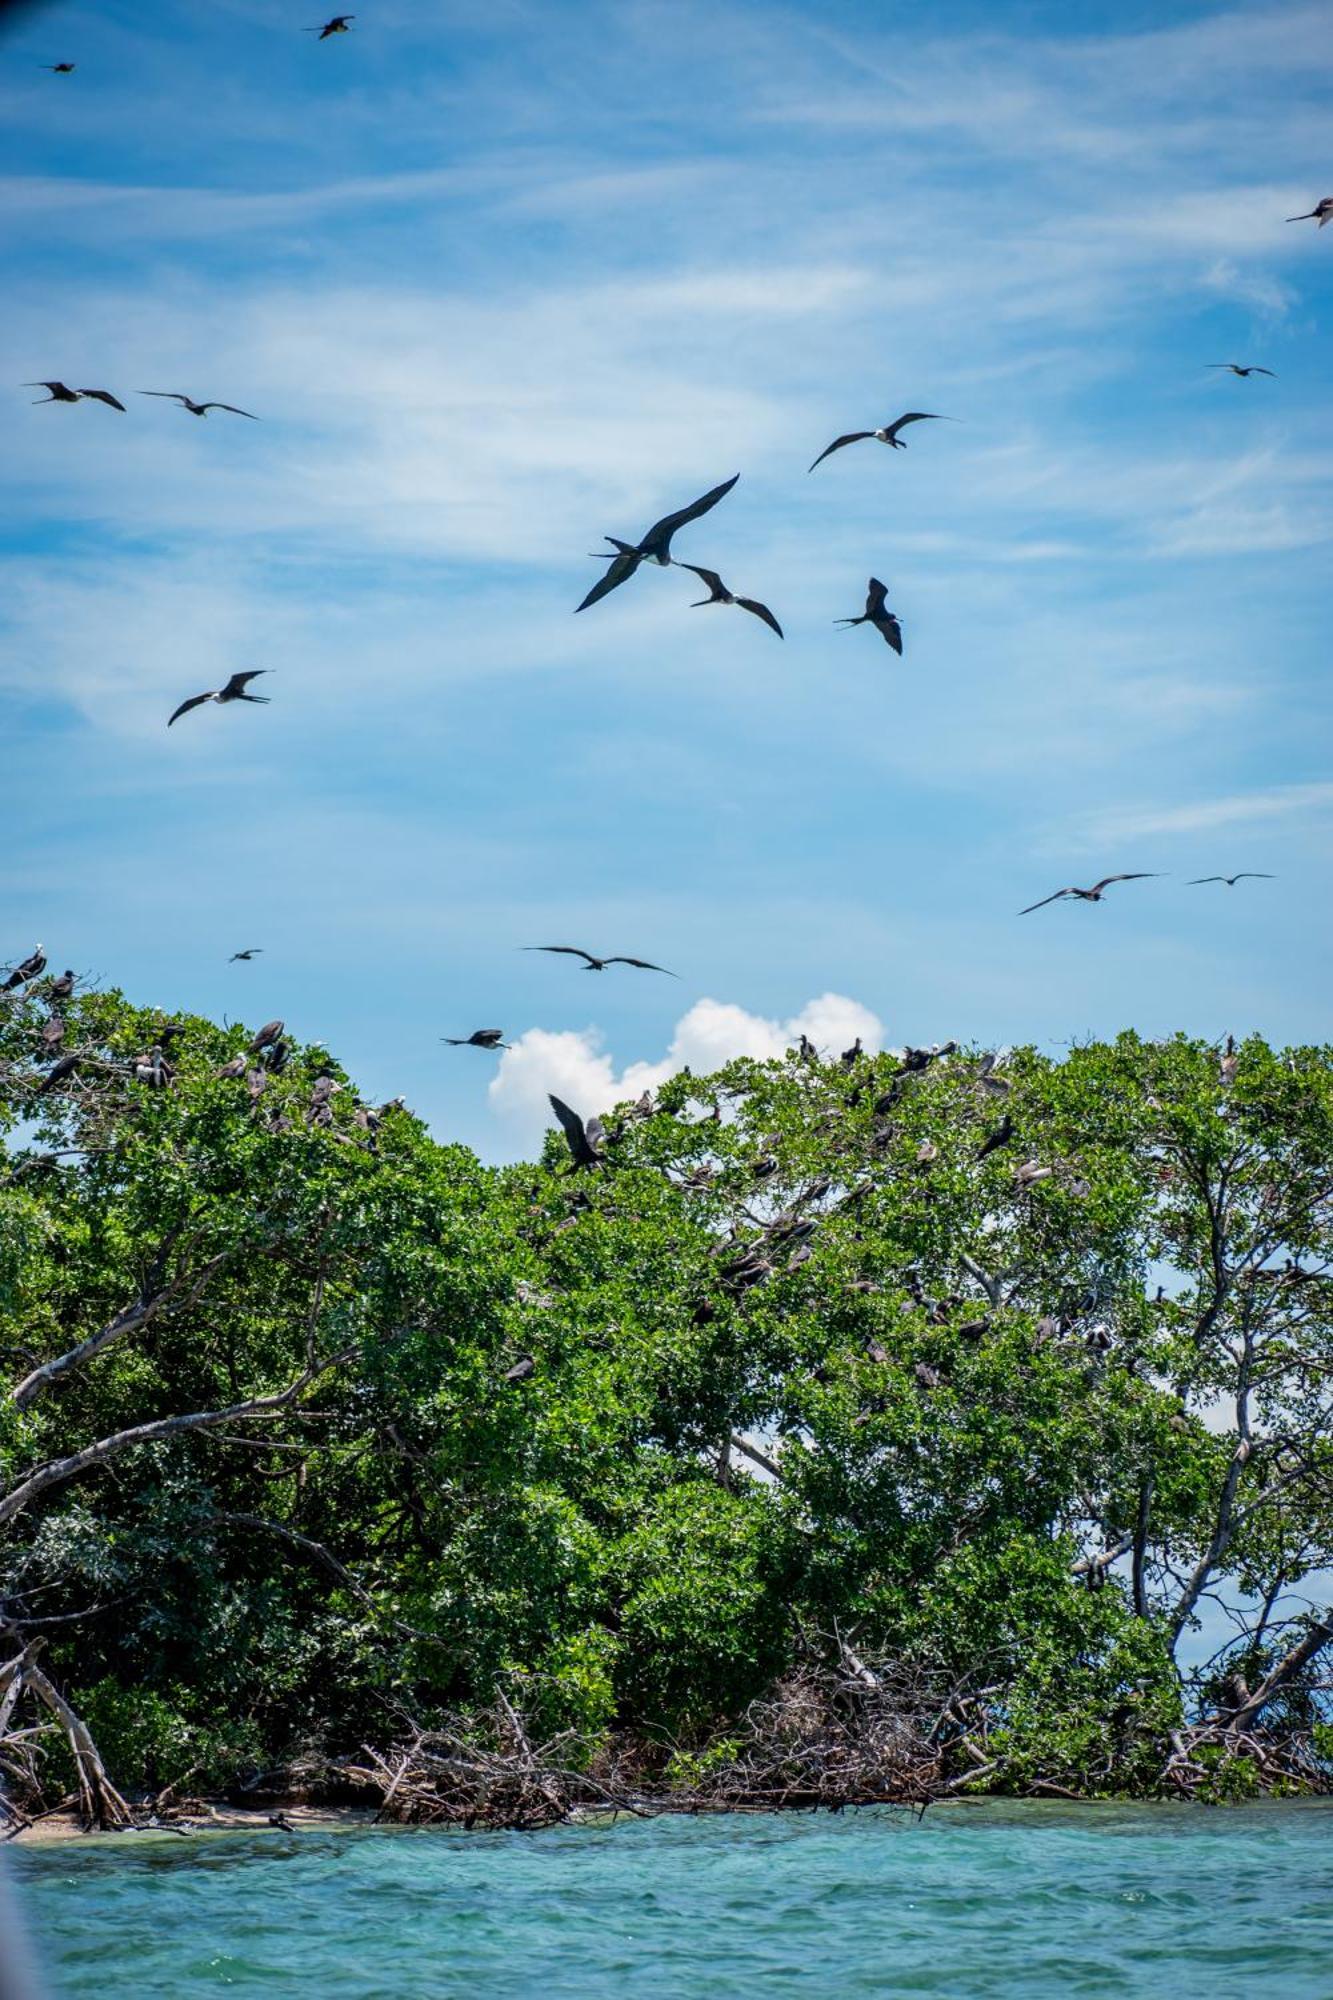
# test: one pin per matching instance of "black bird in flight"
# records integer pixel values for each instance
(251, 951)
(337, 26)
(480, 1038)
(233, 691)
(1094, 894)
(719, 594)
(655, 546)
(1321, 213)
(585, 1137)
(600, 964)
(32, 967)
(1235, 368)
(61, 394)
(197, 409)
(887, 434)
(1246, 875)
(58, 69)
(877, 614)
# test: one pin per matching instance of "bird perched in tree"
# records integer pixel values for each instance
(719, 594)
(235, 690)
(63, 1069)
(1000, 1136)
(251, 951)
(236, 1068)
(58, 69)
(1229, 1063)
(1095, 893)
(197, 409)
(877, 614)
(522, 1368)
(32, 967)
(337, 26)
(480, 1038)
(63, 987)
(1246, 875)
(850, 1057)
(1030, 1172)
(887, 434)
(1235, 368)
(61, 394)
(584, 1136)
(655, 546)
(1321, 213)
(267, 1036)
(600, 964)
(53, 1032)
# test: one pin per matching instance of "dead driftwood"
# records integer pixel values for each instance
(823, 1739)
(25, 1688)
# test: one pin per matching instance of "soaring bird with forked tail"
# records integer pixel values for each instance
(61, 394)
(887, 433)
(719, 594)
(1092, 895)
(878, 614)
(655, 546)
(233, 691)
(197, 409)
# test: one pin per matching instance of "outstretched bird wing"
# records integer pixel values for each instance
(166, 396)
(914, 417)
(620, 571)
(239, 682)
(573, 1128)
(1053, 898)
(570, 951)
(195, 701)
(848, 437)
(709, 578)
(231, 407)
(1196, 880)
(1137, 875)
(643, 964)
(104, 396)
(760, 611)
(876, 598)
(890, 631)
(657, 541)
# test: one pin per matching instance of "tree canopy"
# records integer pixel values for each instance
(999, 1372)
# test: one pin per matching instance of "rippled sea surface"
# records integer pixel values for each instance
(972, 1900)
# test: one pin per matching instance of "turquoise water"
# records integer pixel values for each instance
(1030, 1900)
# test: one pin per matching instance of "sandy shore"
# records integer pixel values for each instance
(209, 1818)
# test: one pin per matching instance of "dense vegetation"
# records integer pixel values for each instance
(911, 1373)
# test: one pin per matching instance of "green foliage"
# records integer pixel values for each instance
(507, 1456)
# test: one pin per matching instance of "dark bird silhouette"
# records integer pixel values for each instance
(197, 409)
(600, 964)
(887, 434)
(281, 1821)
(58, 69)
(53, 1032)
(32, 967)
(337, 26)
(1235, 368)
(585, 1137)
(62, 988)
(1000, 1136)
(655, 546)
(61, 394)
(251, 951)
(64, 1068)
(877, 614)
(1246, 875)
(1094, 894)
(267, 1036)
(1321, 213)
(233, 691)
(235, 1068)
(480, 1038)
(719, 594)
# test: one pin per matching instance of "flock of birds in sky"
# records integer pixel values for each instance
(623, 560)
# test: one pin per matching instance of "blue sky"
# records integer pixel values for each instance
(502, 281)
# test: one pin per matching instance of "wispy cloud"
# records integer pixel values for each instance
(1279, 802)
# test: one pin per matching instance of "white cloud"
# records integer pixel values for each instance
(1240, 809)
(574, 1065)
